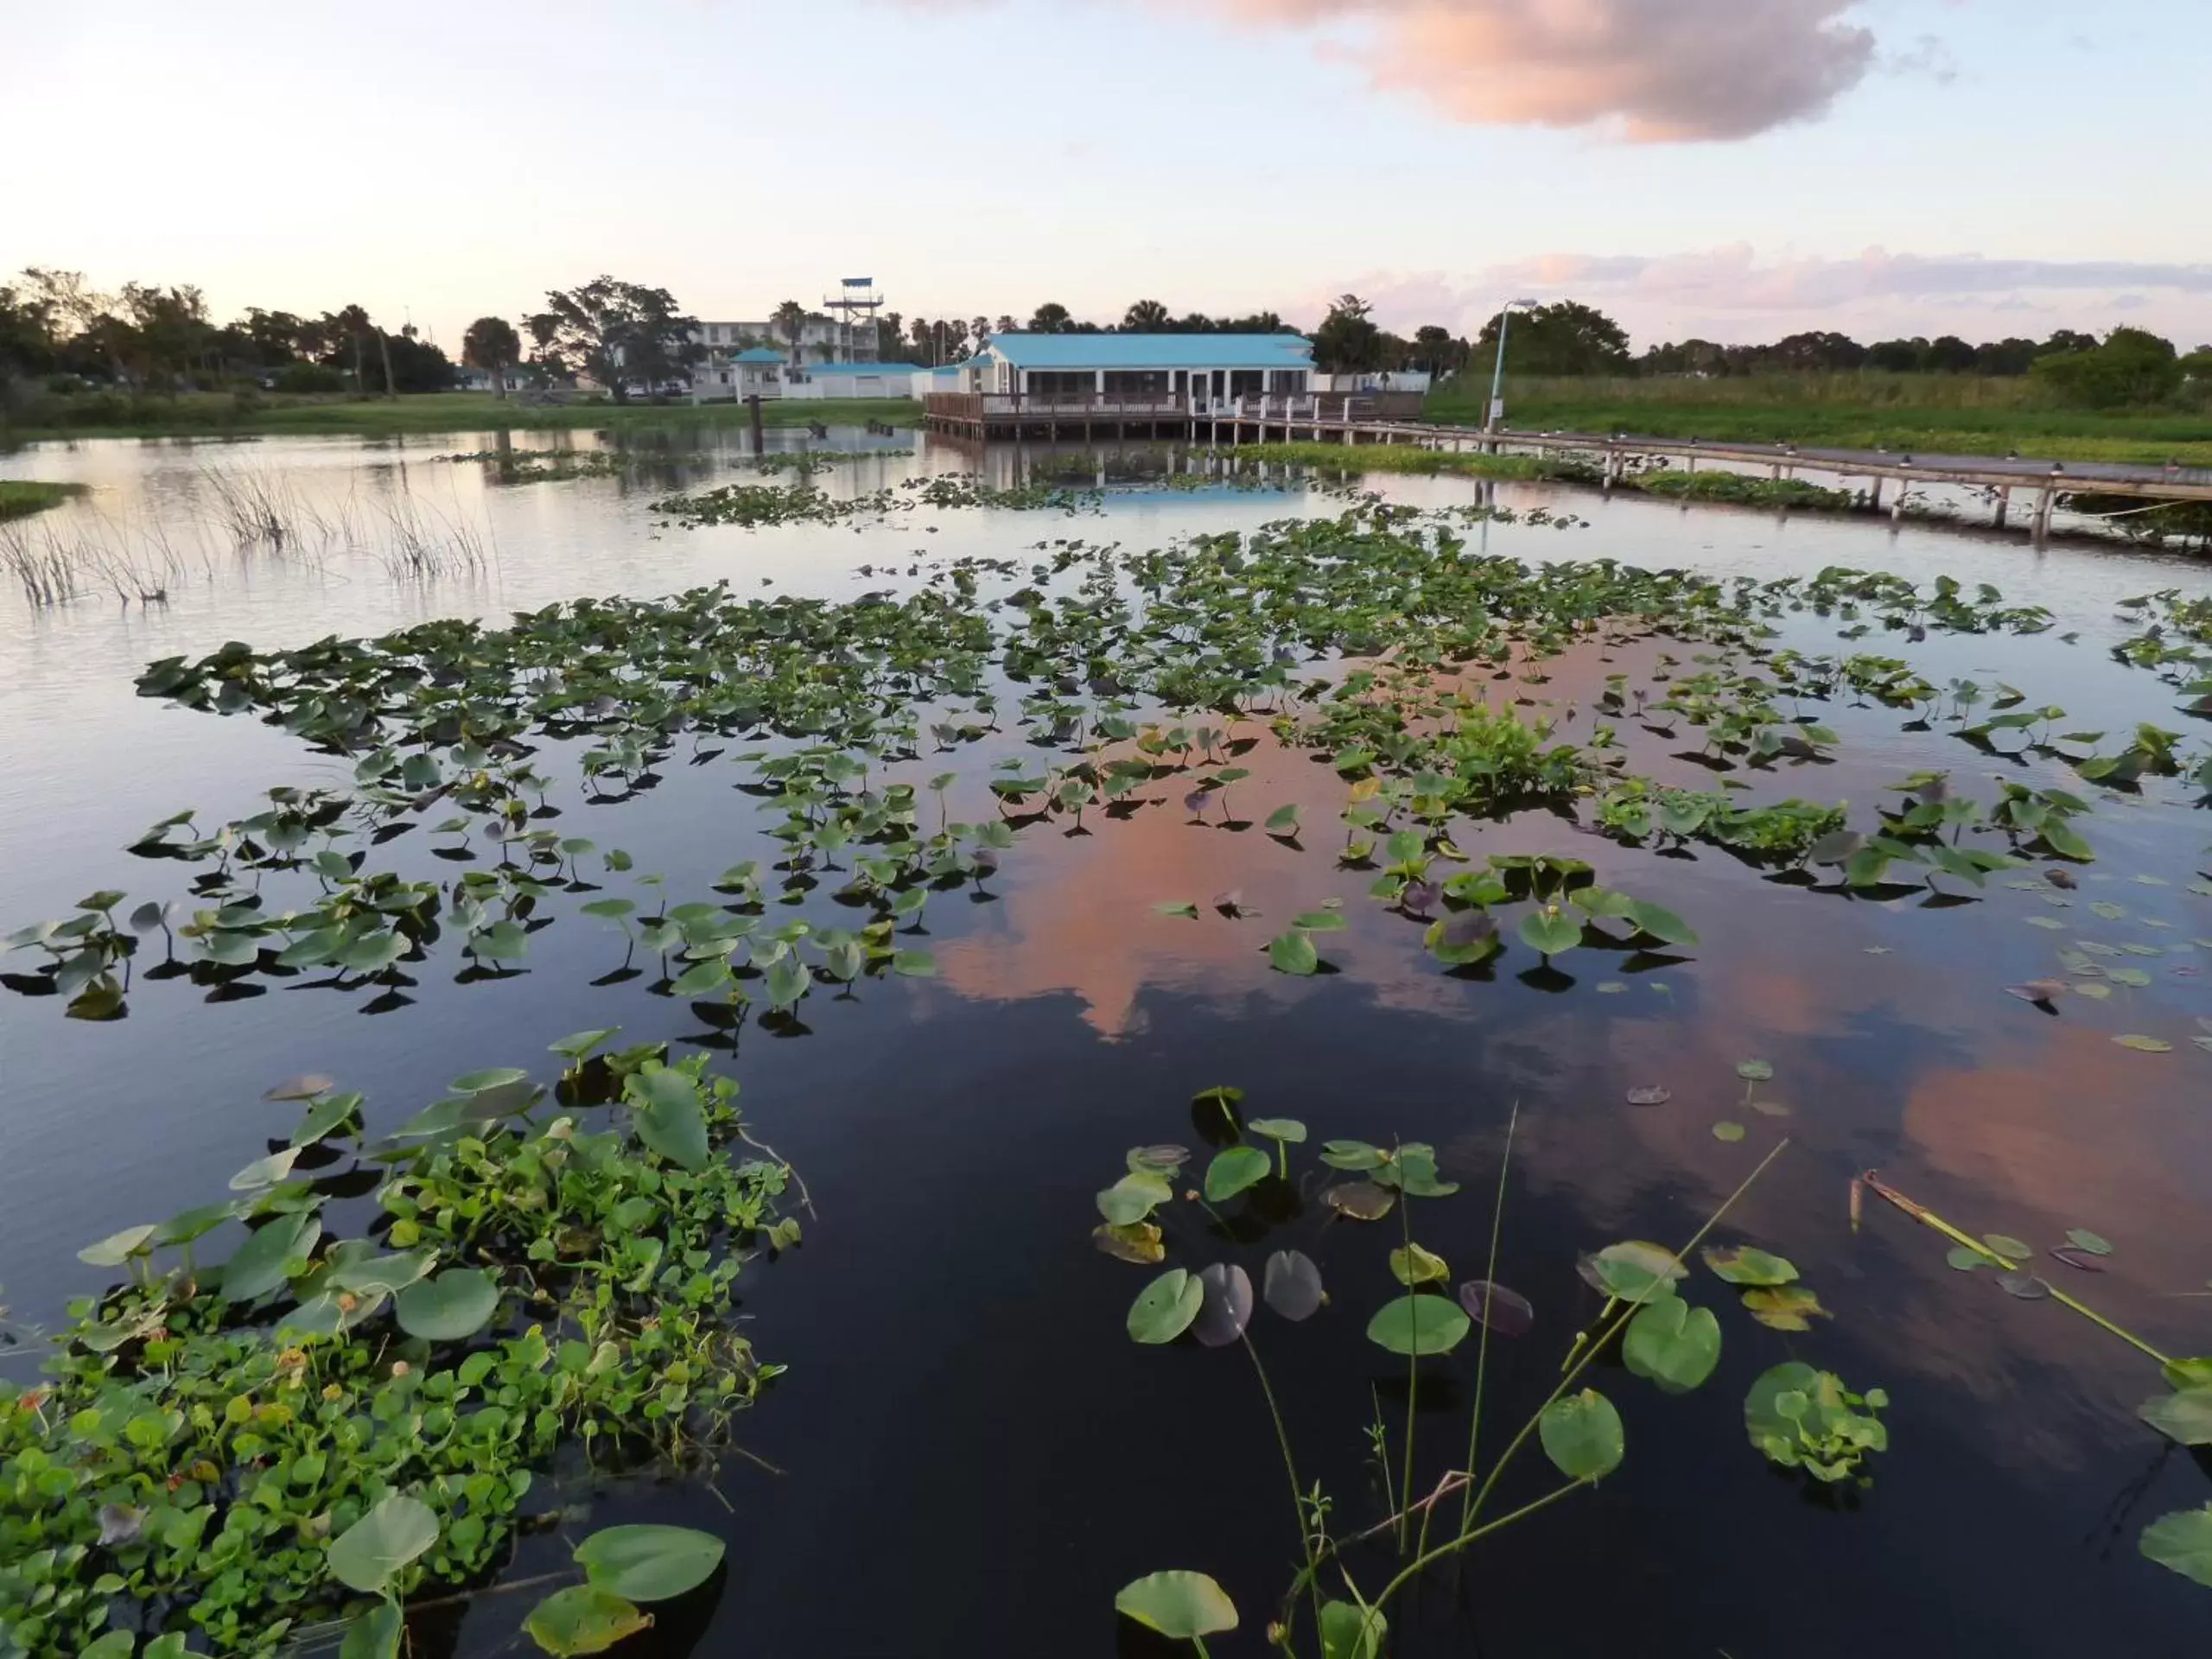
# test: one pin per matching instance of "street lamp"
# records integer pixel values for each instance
(1497, 370)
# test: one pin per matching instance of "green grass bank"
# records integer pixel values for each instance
(1938, 414)
(20, 498)
(222, 414)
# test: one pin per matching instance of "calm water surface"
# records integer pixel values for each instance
(973, 1456)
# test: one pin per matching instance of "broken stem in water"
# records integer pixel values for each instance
(1926, 1217)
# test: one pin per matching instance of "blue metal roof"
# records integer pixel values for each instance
(1284, 351)
(758, 355)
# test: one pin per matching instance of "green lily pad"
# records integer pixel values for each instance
(2186, 1417)
(1232, 1170)
(1164, 1308)
(649, 1563)
(1181, 1605)
(1582, 1435)
(2182, 1541)
(1411, 1264)
(1672, 1343)
(454, 1305)
(1747, 1265)
(583, 1618)
(1419, 1324)
(368, 1553)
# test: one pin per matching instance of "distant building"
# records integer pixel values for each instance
(1373, 380)
(851, 380)
(1207, 367)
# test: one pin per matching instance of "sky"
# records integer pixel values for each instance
(1734, 169)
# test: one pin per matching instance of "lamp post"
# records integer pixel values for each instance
(1498, 369)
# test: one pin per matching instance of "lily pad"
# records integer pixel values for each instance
(1228, 1306)
(1650, 1095)
(1784, 1308)
(1294, 953)
(2025, 1285)
(1232, 1171)
(1673, 1344)
(1582, 1435)
(1964, 1260)
(1165, 1309)
(2185, 1416)
(1181, 1605)
(1138, 1242)
(2183, 1541)
(1754, 1070)
(2083, 1239)
(1508, 1312)
(1291, 1285)
(584, 1618)
(1726, 1130)
(454, 1305)
(649, 1563)
(2080, 1260)
(1412, 1265)
(368, 1553)
(2006, 1244)
(1349, 1631)
(305, 1087)
(1632, 1271)
(118, 1247)
(2144, 1044)
(1136, 1196)
(1748, 1265)
(1360, 1200)
(1418, 1324)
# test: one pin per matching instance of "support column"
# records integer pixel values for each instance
(2046, 499)
(2003, 501)
(1874, 492)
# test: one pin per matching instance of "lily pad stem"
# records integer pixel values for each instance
(1482, 1342)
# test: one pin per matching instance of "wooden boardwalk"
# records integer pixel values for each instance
(1356, 418)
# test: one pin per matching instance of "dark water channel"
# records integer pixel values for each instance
(971, 1456)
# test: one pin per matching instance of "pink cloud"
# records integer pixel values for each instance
(1652, 71)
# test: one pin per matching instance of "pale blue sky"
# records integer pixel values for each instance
(1985, 167)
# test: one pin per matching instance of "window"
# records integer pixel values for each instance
(1137, 382)
(1060, 383)
(1286, 381)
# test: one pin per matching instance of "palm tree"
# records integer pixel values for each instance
(1145, 317)
(791, 316)
(1050, 318)
(492, 345)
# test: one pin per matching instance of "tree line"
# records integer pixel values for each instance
(631, 337)
(147, 337)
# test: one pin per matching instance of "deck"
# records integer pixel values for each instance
(1394, 418)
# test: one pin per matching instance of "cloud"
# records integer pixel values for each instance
(1733, 293)
(1652, 71)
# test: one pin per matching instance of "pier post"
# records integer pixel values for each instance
(2046, 499)
(1874, 492)
(2003, 501)
(753, 414)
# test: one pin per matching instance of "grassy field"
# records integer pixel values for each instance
(215, 416)
(1934, 414)
(20, 498)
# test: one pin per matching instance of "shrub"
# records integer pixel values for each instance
(2132, 368)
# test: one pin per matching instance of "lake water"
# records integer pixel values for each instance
(973, 1457)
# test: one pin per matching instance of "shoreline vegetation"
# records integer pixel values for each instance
(1963, 415)
(212, 415)
(1933, 413)
(22, 497)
